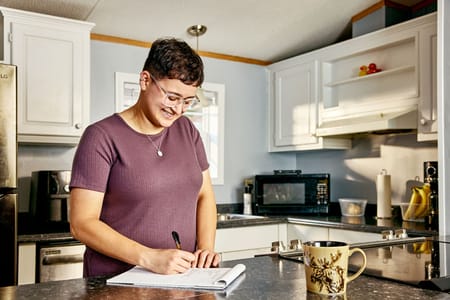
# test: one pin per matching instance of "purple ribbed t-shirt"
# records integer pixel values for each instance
(146, 196)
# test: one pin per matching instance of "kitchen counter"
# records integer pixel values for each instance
(364, 224)
(266, 277)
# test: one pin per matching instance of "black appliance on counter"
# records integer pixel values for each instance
(289, 192)
(8, 175)
(50, 200)
(430, 175)
(49, 211)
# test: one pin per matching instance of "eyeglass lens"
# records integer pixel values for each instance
(172, 100)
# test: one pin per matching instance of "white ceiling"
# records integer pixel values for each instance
(255, 29)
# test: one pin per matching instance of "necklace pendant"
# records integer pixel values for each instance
(159, 152)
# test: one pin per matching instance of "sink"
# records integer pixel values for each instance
(233, 217)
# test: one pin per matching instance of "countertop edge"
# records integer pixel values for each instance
(269, 220)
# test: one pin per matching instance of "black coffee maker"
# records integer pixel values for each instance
(430, 175)
(50, 197)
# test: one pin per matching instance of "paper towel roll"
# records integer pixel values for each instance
(384, 195)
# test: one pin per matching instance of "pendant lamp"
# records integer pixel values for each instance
(199, 30)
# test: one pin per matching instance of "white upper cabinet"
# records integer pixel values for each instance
(53, 70)
(319, 100)
(428, 126)
(390, 99)
(294, 108)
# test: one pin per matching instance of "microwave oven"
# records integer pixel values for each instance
(291, 193)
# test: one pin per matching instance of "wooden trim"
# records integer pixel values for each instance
(376, 7)
(119, 40)
(368, 11)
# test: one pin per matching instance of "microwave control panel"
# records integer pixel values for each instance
(322, 193)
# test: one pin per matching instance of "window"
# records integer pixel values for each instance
(209, 119)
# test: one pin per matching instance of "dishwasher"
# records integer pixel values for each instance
(59, 260)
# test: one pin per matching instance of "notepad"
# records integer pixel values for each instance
(194, 278)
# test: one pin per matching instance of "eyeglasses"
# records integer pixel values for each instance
(172, 100)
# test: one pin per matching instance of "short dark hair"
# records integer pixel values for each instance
(174, 59)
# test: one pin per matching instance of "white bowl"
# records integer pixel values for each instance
(352, 207)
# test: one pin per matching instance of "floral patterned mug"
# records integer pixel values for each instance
(326, 266)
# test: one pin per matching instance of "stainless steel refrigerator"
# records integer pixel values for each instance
(8, 175)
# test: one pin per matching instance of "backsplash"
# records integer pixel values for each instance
(353, 172)
(34, 158)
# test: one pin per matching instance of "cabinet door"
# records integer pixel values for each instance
(50, 80)
(351, 236)
(27, 263)
(295, 105)
(294, 109)
(306, 233)
(245, 242)
(428, 126)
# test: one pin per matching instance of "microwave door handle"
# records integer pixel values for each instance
(62, 259)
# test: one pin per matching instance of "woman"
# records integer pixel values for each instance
(143, 173)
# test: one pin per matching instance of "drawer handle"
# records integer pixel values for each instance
(62, 259)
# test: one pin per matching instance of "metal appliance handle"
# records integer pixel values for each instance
(62, 259)
(393, 242)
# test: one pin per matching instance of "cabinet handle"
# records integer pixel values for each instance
(423, 121)
(78, 126)
(62, 259)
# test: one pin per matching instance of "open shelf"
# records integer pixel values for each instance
(372, 76)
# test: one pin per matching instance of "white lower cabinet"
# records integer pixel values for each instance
(306, 233)
(26, 263)
(314, 233)
(245, 242)
(350, 236)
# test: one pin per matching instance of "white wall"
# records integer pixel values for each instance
(34, 158)
(353, 172)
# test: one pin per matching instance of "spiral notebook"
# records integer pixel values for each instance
(195, 278)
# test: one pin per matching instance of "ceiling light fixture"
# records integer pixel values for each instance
(199, 30)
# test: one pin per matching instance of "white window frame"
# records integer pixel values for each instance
(212, 117)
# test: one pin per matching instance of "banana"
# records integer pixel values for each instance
(423, 247)
(416, 247)
(424, 207)
(419, 204)
(426, 247)
(414, 203)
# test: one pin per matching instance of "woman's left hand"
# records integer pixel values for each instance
(205, 259)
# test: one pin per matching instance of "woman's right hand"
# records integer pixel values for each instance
(167, 261)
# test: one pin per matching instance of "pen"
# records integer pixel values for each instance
(176, 238)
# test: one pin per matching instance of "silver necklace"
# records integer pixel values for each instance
(158, 148)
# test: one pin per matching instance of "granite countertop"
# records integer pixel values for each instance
(365, 224)
(266, 277)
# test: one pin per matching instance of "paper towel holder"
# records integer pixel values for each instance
(384, 201)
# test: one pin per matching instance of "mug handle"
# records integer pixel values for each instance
(361, 269)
